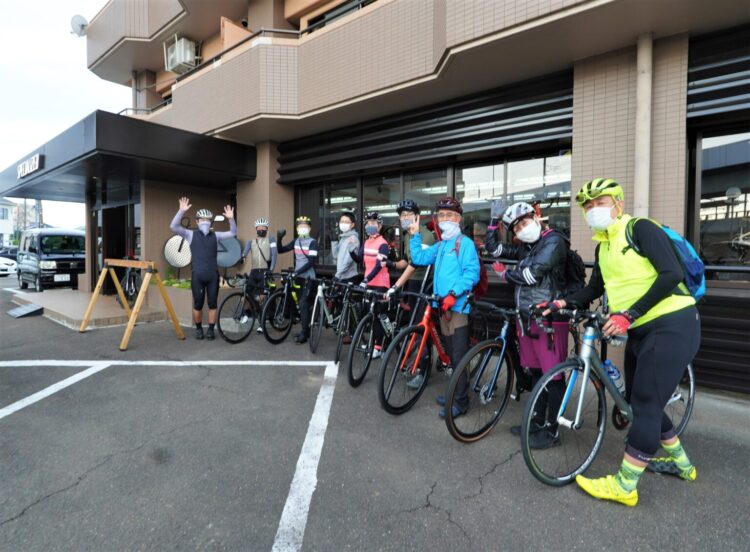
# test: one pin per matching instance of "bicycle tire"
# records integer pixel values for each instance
(480, 375)
(544, 464)
(343, 331)
(316, 326)
(276, 325)
(407, 341)
(233, 308)
(357, 368)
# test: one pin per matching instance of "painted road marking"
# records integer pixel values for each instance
(52, 389)
(291, 530)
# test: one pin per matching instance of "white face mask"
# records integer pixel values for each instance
(599, 218)
(204, 227)
(449, 230)
(530, 233)
(344, 227)
(303, 231)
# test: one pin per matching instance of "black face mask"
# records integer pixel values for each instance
(262, 233)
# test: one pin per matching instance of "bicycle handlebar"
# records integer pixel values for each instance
(500, 311)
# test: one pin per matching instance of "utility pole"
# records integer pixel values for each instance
(39, 215)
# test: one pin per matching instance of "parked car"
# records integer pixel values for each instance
(7, 267)
(9, 253)
(50, 257)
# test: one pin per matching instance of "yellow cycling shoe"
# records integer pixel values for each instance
(607, 488)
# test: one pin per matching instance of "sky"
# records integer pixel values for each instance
(46, 85)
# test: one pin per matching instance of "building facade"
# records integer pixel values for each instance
(355, 104)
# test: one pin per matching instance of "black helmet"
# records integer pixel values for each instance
(408, 205)
(373, 215)
(349, 215)
(449, 203)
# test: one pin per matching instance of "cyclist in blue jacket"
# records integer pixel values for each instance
(456, 273)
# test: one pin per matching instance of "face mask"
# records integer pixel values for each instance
(405, 223)
(449, 230)
(303, 231)
(262, 233)
(371, 229)
(530, 233)
(344, 227)
(204, 227)
(599, 218)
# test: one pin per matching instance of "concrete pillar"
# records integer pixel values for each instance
(644, 81)
(146, 95)
(265, 197)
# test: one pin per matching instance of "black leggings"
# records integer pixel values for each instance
(202, 283)
(304, 300)
(380, 308)
(655, 359)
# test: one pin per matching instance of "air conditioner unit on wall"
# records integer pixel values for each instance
(179, 56)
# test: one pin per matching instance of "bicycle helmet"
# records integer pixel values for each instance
(262, 222)
(302, 219)
(349, 215)
(408, 205)
(516, 212)
(599, 187)
(450, 204)
(204, 214)
(373, 215)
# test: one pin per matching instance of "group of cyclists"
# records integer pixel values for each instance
(635, 265)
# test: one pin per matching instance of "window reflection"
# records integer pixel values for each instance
(475, 188)
(725, 202)
(340, 199)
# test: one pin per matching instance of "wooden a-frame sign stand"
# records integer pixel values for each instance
(150, 269)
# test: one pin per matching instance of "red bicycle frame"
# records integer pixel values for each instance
(430, 331)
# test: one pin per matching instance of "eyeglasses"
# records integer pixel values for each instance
(447, 215)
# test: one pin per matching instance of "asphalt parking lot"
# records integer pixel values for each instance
(202, 445)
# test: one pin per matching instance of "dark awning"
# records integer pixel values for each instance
(104, 143)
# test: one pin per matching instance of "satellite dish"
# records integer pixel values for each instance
(78, 24)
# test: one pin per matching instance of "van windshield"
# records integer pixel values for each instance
(63, 244)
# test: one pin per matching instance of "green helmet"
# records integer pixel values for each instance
(599, 187)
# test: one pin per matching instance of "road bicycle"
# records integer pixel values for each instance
(578, 426)
(349, 318)
(281, 310)
(362, 348)
(325, 312)
(240, 310)
(407, 364)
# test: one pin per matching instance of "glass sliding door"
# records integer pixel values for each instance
(475, 188)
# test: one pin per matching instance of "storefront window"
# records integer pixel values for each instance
(382, 194)
(725, 203)
(311, 204)
(475, 188)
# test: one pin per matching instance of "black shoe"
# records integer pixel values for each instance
(198, 333)
(543, 440)
(300, 338)
(440, 399)
(210, 334)
(516, 430)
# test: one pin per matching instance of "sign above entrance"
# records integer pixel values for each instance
(32, 164)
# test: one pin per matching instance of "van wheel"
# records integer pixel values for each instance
(38, 284)
(21, 283)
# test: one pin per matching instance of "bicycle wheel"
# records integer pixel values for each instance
(404, 371)
(680, 405)
(567, 451)
(236, 317)
(488, 371)
(344, 330)
(276, 319)
(316, 325)
(360, 351)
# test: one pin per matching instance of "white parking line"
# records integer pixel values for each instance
(52, 389)
(291, 530)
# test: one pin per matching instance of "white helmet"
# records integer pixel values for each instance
(262, 222)
(515, 212)
(204, 214)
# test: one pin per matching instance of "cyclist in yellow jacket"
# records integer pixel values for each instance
(649, 301)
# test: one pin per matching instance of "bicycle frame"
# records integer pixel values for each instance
(589, 356)
(501, 337)
(428, 324)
